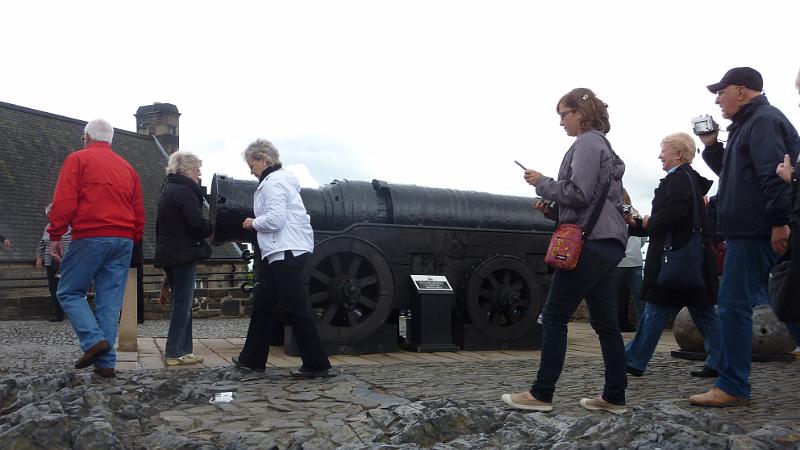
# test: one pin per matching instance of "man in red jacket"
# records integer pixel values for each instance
(99, 195)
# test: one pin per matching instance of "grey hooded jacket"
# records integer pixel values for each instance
(583, 174)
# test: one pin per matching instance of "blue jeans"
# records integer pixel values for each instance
(639, 350)
(104, 260)
(632, 278)
(591, 280)
(744, 280)
(179, 336)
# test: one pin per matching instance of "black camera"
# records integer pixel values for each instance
(704, 125)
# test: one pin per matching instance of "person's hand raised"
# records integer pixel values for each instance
(785, 169)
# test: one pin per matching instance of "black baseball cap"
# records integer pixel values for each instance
(739, 76)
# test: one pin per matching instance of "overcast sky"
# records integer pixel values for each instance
(434, 93)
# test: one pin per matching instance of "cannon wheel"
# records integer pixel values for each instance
(350, 289)
(503, 298)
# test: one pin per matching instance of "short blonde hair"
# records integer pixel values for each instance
(182, 163)
(683, 144)
(262, 150)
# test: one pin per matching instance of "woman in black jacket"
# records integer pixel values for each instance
(673, 204)
(181, 230)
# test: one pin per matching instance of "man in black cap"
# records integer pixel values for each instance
(752, 213)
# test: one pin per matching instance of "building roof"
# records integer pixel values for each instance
(33, 145)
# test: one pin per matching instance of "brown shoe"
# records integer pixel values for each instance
(89, 355)
(105, 372)
(717, 397)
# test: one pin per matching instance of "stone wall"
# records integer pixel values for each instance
(24, 294)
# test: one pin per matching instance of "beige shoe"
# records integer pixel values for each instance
(525, 401)
(188, 358)
(598, 404)
(717, 397)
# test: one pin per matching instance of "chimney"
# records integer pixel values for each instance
(159, 120)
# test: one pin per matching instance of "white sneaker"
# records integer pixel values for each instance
(521, 401)
(188, 358)
(598, 404)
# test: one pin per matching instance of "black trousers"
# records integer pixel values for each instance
(52, 285)
(280, 299)
(139, 292)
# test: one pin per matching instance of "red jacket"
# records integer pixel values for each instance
(99, 194)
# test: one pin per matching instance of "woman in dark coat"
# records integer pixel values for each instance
(181, 230)
(672, 213)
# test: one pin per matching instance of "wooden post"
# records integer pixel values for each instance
(128, 326)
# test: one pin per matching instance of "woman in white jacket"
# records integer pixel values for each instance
(285, 241)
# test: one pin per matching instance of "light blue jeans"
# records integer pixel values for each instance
(639, 350)
(105, 260)
(179, 336)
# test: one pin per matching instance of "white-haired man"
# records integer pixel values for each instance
(99, 195)
(753, 207)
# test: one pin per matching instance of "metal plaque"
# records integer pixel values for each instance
(431, 283)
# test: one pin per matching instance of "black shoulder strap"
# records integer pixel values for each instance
(696, 225)
(598, 207)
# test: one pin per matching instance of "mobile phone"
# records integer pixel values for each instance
(520, 164)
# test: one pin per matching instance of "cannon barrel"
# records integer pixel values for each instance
(342, 203)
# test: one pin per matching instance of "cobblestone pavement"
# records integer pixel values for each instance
(225, 407)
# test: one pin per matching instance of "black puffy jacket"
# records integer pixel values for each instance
(180, 225)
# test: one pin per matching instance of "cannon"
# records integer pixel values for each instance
(371, 236)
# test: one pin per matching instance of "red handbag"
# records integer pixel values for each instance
(565, 247)
(567, 241)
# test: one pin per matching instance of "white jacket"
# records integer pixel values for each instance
(281, 219)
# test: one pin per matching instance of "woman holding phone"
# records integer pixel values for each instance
(590, 177)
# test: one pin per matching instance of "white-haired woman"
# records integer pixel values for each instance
(671, 214)
(285, 241)
(181, 230)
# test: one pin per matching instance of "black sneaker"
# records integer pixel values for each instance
(55, 319)
(705, 372)
(241, 366)
(305, 373)
(635, 372)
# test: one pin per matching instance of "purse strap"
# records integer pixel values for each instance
(598, 208)
(696, 227)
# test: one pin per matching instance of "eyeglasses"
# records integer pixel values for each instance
(726, 90)
(563, 114)
(250, 165)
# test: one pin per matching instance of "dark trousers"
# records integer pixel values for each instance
(591, 280)
(139, 292)
(52, 284)
(280, 298)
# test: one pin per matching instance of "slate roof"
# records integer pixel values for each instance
(33, 145)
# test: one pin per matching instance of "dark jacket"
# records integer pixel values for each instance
(180, 225)
(672, 211)
(751, 198)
